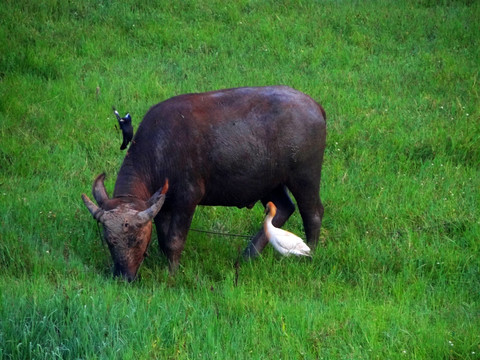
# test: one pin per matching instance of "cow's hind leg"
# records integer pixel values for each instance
(310, 206)
(285, 208)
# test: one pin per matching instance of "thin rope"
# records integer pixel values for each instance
(221, 233)
(100, 235)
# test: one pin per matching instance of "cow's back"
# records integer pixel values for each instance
(238, 144)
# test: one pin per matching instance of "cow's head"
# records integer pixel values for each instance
(127, 224)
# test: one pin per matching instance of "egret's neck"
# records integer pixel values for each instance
(268, 222)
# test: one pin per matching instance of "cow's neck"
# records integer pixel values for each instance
(131, 184)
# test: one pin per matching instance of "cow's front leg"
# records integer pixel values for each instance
(162, 225)
(174, 242)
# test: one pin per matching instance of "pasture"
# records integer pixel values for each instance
(397, 275)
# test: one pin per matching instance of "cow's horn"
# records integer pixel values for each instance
(96, 212)
(156, 202)
(99, 192)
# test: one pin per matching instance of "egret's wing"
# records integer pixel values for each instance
(277, 244)
(287, 243)
(301, 249)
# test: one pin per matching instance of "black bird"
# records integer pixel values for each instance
(127, 128)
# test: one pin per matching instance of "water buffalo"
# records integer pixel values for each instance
(229, 147)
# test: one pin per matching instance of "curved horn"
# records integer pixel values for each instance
(98, 191)
(156, 203)
(96, 212)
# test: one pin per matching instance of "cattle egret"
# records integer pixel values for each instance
(283, 241)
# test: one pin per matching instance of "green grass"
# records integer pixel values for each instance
(398, 274)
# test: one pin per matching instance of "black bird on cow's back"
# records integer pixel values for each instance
(126, 126)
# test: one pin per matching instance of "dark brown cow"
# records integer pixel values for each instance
(230, 148)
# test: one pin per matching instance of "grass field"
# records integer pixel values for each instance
(398, 272)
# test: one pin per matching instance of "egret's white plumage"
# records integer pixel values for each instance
(283, 241)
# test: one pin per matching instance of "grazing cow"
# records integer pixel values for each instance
(229, 147)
